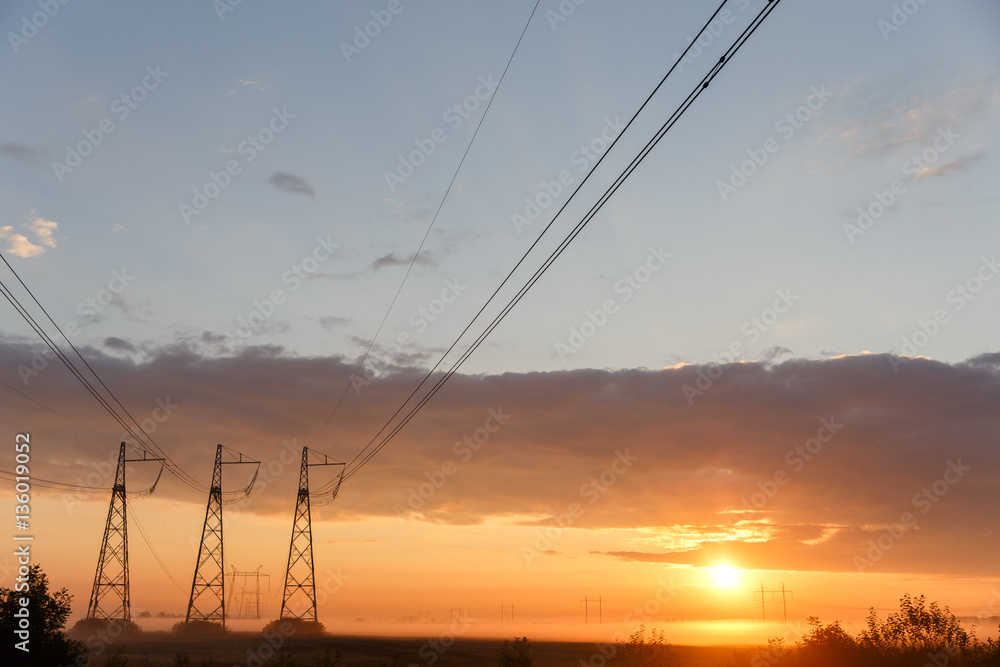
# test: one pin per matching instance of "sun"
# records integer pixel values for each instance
(726, 576)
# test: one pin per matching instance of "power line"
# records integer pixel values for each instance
(10, 475)
(56, 413)
(671, 121)
(537, 240)
(68, 341)
(152, 550)
(50, 484)
(434, 218)
(58, 352)
(171, 466)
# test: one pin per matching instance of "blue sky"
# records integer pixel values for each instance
(352, 120)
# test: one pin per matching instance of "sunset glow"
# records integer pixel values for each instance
(500, 319)
(726, 576)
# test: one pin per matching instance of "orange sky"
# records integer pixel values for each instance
(648, 490)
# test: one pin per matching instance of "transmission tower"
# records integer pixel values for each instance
(244, 602)
(299, 597)
(111, 578)
(208, 590)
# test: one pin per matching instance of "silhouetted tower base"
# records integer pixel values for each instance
(109, 598)
(299, 597)
(208, 590)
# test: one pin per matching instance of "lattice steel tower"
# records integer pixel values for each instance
(111, 578)
(299, 597)
(209, 573)
(208, 590)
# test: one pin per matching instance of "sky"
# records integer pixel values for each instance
(770, 351)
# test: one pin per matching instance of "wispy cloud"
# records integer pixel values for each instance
(23, 153)
(392, 259)
(962, 164)
(259, 85)
(331, 323)
(292, 183)
(882, 122)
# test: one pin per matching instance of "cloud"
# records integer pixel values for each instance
(23, 153)
(331, 323)
(394, 260)
(292, 183)
(662, 479)
(119, 344)
(962, 164)
(18, 244)
(119, 227)
(986, 359)
(259, 85)
(388, 260)
(886, 121)
(43, 229)
(772, 353)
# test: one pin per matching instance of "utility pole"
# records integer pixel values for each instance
(502, 607)
(773, 593)
(784, 607)
(600, 606)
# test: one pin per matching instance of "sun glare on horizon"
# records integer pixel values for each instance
(725, 575)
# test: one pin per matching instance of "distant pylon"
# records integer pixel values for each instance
(299, 597)
(111, 578)
(209, 585)
(244, 603)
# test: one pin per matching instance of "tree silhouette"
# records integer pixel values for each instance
(47, 614)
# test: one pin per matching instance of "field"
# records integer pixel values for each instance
(158, 649)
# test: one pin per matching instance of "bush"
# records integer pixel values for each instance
(119, 659)
(199, 628)
(103, 629)
(639, 652)
(826, 646)
(516, 654)
(917, 635)
(48, 644)
(298, 627)
(915, 628)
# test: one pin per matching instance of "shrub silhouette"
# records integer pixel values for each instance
(47, 614)
(639, 652)
(298, 627)
(918, 634)
(88, 628)
(199, 628)
(516, 654)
